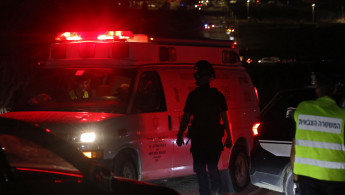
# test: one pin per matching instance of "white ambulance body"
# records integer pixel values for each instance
(137, 89)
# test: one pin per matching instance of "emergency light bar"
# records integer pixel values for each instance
(93, 36)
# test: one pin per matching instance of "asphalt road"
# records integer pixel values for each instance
(189, 186)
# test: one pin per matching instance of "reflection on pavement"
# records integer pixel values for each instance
(189, 186)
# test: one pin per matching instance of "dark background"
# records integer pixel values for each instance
(278, 29)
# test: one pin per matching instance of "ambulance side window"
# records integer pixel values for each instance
(150, 95)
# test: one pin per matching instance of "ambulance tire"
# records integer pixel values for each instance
(127, 169)
(288, 183)
(239, 169)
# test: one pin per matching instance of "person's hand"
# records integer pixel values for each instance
(179, 141)
(296, 189)
(228, 142)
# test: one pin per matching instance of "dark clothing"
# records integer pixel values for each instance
(206, 104)
(311, 186)
(200, 160)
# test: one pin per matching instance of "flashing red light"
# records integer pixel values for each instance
(115, 35)
(255, 128)
(68, 36)
(87, 36)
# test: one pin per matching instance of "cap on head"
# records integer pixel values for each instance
(204, 68)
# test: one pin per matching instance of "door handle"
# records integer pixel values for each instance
(169, 122)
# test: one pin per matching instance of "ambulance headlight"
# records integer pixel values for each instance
(88, 137)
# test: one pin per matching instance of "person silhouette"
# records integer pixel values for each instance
(207, 106)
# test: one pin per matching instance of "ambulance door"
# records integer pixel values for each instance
(177, 84)
(150, 107)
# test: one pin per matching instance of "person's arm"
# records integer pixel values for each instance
(292, 153)
(183, 125)
(225, 118)
(292, 159)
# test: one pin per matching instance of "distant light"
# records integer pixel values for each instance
(313, 5)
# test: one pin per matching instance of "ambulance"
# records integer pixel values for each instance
(119, 98)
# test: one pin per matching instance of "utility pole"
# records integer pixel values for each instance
(313, 10)
(248, 1)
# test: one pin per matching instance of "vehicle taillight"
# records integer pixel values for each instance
(255, 128)
(233, 44)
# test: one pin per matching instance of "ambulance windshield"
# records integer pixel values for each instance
(84, 90)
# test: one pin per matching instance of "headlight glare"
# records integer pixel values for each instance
(88, 137)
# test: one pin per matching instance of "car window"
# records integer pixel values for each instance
(277, 108)
(150, 95)
(70, 89)
(276, 126)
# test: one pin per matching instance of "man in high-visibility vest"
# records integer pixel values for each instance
(80, 91)
(318, 150)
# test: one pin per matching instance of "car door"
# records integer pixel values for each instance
(154, 144)
(177, 83)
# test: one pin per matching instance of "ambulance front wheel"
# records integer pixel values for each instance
(127, 169)
(239, 169)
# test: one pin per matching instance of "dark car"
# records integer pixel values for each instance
(35, 161)
(270, 160)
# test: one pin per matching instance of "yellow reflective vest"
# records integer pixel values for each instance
(73, 96)
(319, 140)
